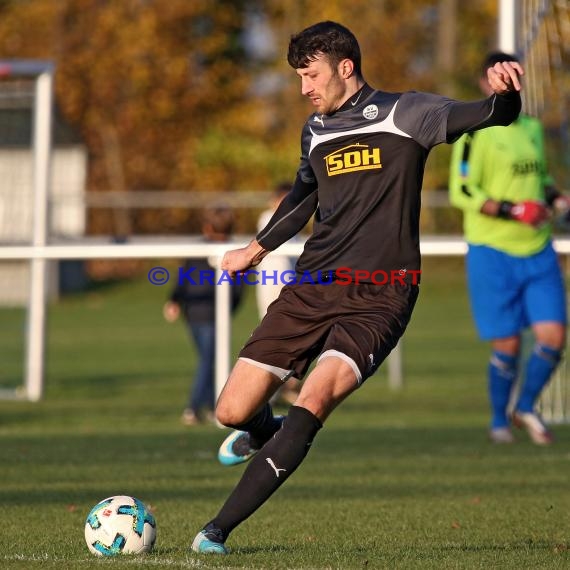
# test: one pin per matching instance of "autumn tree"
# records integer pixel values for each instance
(182, 95)
(144, 82)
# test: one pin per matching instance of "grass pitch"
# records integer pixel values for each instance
(396, 479)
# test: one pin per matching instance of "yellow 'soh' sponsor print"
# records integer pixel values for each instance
(353, 158)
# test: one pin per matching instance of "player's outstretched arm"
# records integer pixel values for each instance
(500, 109)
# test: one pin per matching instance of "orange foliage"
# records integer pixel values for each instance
(165, 97)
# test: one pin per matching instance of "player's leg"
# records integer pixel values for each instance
(282, 346)
(329, 383)
(203, 392)
(545, 356)
(494, 293)
(541, 364)
(502, 374)
(244, 406)
(545, 304)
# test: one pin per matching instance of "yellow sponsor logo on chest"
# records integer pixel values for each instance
(353, 158)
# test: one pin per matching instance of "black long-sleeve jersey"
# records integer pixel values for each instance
(361, 171)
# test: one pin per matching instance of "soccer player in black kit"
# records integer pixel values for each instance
(363, 154)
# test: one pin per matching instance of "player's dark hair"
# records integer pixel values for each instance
(220, 218)
(496, 57)
(325, 38)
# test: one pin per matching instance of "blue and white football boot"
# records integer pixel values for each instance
(237, 448)
(209, 540)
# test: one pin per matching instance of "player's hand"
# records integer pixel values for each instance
(236, 260)
(171, 311)
(562, 204)
(504, 77)
(561, 208)
(530, 212)
(242, 259)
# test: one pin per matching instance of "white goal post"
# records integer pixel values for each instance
(42, 72)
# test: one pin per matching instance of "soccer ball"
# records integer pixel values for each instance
(120, 525)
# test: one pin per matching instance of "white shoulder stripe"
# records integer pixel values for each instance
(385, 126)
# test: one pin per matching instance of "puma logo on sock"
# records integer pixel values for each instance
(274, 467)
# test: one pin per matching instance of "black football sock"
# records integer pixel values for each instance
(261, 427)
(278, 458)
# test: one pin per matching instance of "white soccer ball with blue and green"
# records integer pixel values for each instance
(120, 525)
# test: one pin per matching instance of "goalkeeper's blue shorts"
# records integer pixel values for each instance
(510, 293)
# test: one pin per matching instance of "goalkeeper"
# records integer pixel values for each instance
(498, 177)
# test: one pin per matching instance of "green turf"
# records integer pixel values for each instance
(396, 480)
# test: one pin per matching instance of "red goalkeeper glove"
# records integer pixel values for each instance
(528, 212)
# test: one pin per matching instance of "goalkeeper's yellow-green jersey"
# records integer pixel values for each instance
(500, 163)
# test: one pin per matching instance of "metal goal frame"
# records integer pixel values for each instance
(42, 72)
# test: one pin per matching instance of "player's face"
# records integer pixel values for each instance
(323, 85)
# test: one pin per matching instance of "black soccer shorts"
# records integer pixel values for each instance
(360, 323)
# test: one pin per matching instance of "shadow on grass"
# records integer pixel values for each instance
(349, 464)
(103, 386)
